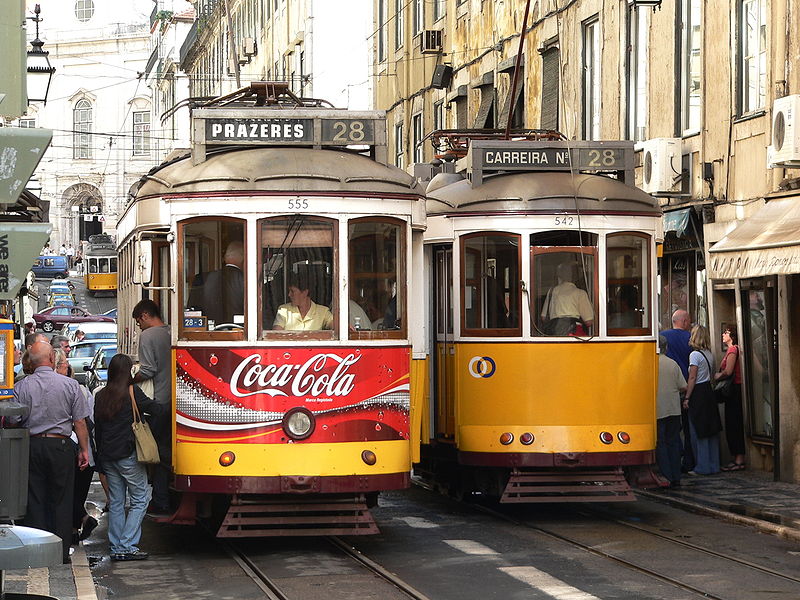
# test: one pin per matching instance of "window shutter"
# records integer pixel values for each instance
(550, 81)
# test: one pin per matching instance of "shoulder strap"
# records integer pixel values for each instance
(710, 370)
(137, 418)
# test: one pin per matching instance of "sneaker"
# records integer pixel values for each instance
(138, 555)
(117, 556)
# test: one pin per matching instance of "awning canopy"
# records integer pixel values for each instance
(767, 243)
(677, 221)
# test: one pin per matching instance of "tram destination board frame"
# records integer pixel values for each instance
(317, 128)
(486, 157)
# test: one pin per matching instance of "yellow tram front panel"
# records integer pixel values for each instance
(101, 281)
(565, 394)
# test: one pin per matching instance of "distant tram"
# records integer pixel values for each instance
(100, 264)
(540, 255)
(279, 251)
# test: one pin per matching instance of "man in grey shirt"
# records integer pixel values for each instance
(57, 407)
(155, 364)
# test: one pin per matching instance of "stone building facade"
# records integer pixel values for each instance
(708, 91)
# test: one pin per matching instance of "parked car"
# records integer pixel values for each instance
(97, 370)
(62, 300)
(65, 282)
(107, 330)
(55, 316)
(51, 266)
(81, 356)
(60, 292)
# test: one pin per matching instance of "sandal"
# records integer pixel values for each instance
(733, 466)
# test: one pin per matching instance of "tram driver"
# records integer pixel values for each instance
(301, 313)
(220, 294)
(566, 304)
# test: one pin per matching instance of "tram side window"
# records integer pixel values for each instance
(376, 279)
(297, 272)
(113, 265)
(93, 267)
(490, 276)
(103, 265)
(564, 292)
(213, 275)
(628, 284)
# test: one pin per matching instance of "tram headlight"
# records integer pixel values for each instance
(226, 458)
(506, 438)
(623, 437)
(368, 456)
(298, 423)
(527, 438)
(606, 437)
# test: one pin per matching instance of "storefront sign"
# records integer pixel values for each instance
(20, 244)
(755, 263)
(355, 394)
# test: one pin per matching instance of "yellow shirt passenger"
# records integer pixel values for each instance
(301, 313)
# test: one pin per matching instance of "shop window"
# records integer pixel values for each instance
(213, 289)
(628, 284)
(490, 292)
(564, 290)
(376, 306)
(297, 277)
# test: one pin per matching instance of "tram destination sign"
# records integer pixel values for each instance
(487, 156)
(252, 130)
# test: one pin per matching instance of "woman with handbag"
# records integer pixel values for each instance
(730, 376)
(704, 421)
(115, 407)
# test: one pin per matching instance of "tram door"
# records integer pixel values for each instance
(444, 357)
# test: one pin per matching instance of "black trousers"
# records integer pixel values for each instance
(83, 480)
(734, 421)
(160, 474)
(51, 480)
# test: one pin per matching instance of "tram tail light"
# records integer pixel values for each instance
(506, 438)
(527, 438)
(368, 456)
(226, 459)
(606, 437)
(623, 437)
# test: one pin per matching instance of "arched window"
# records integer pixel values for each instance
(84, 10)
(82, 127)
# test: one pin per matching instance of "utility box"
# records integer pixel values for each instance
(14, 453)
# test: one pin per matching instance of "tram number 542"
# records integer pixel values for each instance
(565, 221)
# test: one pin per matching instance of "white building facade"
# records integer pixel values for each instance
(98, 108)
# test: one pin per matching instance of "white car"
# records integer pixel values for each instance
(95, 331)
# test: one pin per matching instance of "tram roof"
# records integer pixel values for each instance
(537, 192)
(277, 169)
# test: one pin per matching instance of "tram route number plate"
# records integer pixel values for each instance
(550, 159)
(289, 131)
(194, 323)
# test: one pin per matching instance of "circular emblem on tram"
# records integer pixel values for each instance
(482, 366)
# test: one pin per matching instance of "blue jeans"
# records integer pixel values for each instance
(126, 475)
(668, 447)
(706, 452)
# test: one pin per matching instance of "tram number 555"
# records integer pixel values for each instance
(298, 204)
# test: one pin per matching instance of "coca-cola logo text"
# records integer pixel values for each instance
(307, 379)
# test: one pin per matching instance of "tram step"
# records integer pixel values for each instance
(580, 486)
(318, 516)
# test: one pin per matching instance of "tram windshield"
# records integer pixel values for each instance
(628, 291)
(297, 263)
(213, 274)
(376, 303)
(564, 294)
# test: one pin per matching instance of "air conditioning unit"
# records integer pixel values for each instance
(430, 41)
(785, 148)
(661, 164)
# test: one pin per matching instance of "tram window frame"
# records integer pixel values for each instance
(588, 249)
(515, 331)
(645, 276)
(182, 285)
(288, 335)
(400, 274)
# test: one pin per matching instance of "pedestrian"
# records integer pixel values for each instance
(79, 335)
(56, 409)
(704, 421)
(671, 384)
(734, 416)
(679, 350)
(27, 367)
(30, 327)
(116, 449)
(155, 365)
(82, 523)
(61, 342)
(71, 255)
(63, 250)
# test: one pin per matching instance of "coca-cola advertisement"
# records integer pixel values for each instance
(242, 394)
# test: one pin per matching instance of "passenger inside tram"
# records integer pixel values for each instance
(219, 294)
(301, 313)
(358, 319)
(566, 305)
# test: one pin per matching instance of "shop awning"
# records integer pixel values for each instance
(767, 243)
(20, 244)
(677, 221)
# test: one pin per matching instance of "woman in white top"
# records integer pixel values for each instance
(704, 421)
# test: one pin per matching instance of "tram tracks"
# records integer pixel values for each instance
(396, 588)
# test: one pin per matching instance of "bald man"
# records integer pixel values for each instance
(57, 408)
(678, 350)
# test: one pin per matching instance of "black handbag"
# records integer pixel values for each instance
(723, 388)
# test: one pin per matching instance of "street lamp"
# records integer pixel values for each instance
(40, 71)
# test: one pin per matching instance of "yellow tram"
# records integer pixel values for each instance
(541, 261)
(296, 420)
(100, 264)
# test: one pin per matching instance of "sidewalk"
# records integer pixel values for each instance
(744, 497)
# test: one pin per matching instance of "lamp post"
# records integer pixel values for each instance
(40, 71)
